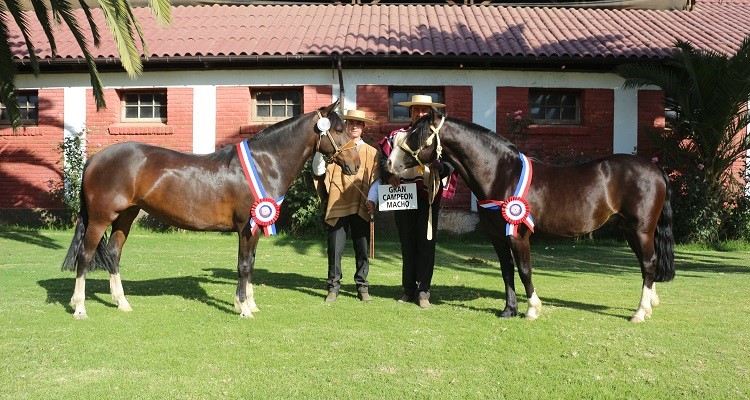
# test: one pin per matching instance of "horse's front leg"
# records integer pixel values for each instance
(245, 298)
(506, 267)
(522, 254)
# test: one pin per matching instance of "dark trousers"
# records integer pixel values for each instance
(417, 253)
(360, 231)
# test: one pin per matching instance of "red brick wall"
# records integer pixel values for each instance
(103, 127)
(234, 119)
(29, 156)
(563, 144)
(232, 112)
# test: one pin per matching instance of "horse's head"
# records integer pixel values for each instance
(418, 145)
(334, 142)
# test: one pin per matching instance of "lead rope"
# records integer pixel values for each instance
(434, 179)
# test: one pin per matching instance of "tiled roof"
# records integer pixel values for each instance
(439, 30)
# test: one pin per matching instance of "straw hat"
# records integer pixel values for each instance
(358, 115)
(421, 100)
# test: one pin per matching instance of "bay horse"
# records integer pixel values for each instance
(564, 201)
(209, 192)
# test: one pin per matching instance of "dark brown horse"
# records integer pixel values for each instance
(562, 200)
(197, 192)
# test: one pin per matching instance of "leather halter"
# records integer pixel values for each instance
(336, 150)
(427, 143)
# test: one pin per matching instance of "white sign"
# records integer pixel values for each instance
(403, 197)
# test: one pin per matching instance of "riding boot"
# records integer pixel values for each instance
(363, 293)
(424, 299)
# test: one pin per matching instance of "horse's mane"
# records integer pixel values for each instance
(422, 126)
(224, 155)
(289, 123)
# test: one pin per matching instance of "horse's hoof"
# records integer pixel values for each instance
(80, 316)
(508, 313)
(637, 319)
(248, 315)
(125, 308)
(254, 309)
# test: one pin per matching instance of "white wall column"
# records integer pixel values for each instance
(625, 135)
(74, 110)
(204, 119)
(484, 112)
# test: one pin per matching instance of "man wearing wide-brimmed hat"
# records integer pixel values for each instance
(347, 207)
(417, 246)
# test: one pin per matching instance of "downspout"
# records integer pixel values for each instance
(342, 92)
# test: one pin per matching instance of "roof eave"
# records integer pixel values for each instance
(408, 61)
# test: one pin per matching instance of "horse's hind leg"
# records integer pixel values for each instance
(91, 238)
(642, 245)
(120, 230)
(245, 299)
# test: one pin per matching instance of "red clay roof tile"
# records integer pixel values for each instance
(440, 30)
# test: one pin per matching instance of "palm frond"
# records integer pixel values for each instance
(65, 12)
(117, 16)
(14, 8)
(8, 76)
(92, 25)
(42, 15)
(162, 10)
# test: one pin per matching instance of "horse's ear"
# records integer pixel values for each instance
(326, 111)
(435, 115)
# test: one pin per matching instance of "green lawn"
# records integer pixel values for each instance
(184, 340)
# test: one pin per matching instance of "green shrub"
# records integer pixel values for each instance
(67, 191)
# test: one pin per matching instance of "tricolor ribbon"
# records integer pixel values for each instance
(515, 209)
(265, 210)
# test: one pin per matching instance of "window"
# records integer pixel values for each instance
(552, 107)
(28, 106)
(277, 104)
(400, 113)
(144, 106)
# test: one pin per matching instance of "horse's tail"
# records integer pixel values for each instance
(103, 257)
(664, 239)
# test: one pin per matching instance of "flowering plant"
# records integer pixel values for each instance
(518, 123)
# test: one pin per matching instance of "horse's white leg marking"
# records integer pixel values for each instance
(535, 307)
(251, 298)
(644, 308)
(244, 306)
(654, 297)
(79, 295)
(118, 294)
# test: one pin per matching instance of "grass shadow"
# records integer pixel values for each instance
(60, 290)
(30, 237)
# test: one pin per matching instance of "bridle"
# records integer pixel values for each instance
(435, 135)
(434, 182)
(324, 125)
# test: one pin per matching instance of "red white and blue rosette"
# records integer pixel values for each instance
(265, 211)
(515, 210)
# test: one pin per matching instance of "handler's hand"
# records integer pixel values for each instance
(370, 207)
(393, 180)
